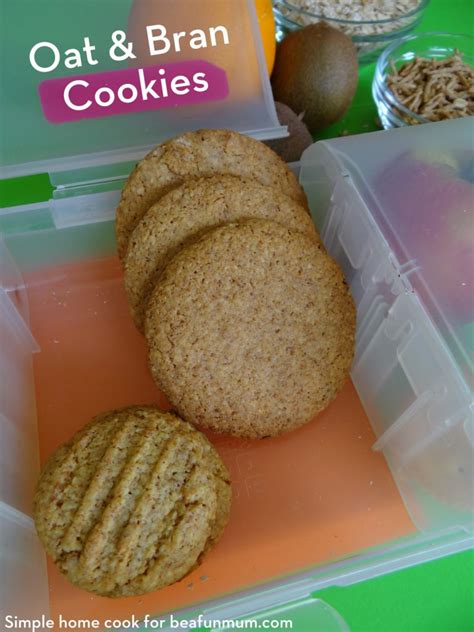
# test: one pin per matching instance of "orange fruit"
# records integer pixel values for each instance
(266, 22)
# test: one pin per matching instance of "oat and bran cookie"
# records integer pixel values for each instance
(200, 153)
(250, 329)
(132, 502)
(192, 208)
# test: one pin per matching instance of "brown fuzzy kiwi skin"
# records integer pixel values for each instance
(316, 72)
(291, 147)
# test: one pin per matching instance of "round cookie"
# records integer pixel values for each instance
(196, 206)
(132, 502)
(194, 154)
(250, 329)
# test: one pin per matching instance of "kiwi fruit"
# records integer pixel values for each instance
(316, 72)
(291, 147)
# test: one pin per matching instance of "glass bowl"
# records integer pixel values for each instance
(392, 112)
(369, 36)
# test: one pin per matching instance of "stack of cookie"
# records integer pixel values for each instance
(249, 322)
(250, 329)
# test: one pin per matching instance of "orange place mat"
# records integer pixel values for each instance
(306, 498)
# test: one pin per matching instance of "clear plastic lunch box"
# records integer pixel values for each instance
(382, 480)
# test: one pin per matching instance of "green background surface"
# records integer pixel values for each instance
(433, 597)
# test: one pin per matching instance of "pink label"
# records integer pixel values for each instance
(131, 90)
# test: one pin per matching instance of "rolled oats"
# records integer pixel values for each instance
(360, 16)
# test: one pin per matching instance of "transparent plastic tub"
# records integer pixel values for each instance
(332, 513)
(329, 514)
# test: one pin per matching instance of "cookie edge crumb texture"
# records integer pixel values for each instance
(129, 213)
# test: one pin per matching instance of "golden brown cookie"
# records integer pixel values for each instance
(193, 154)
(250, 329)
(132, 502)
(190, 209)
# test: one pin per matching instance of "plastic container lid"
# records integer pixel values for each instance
(419, 186)
(30, 143)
